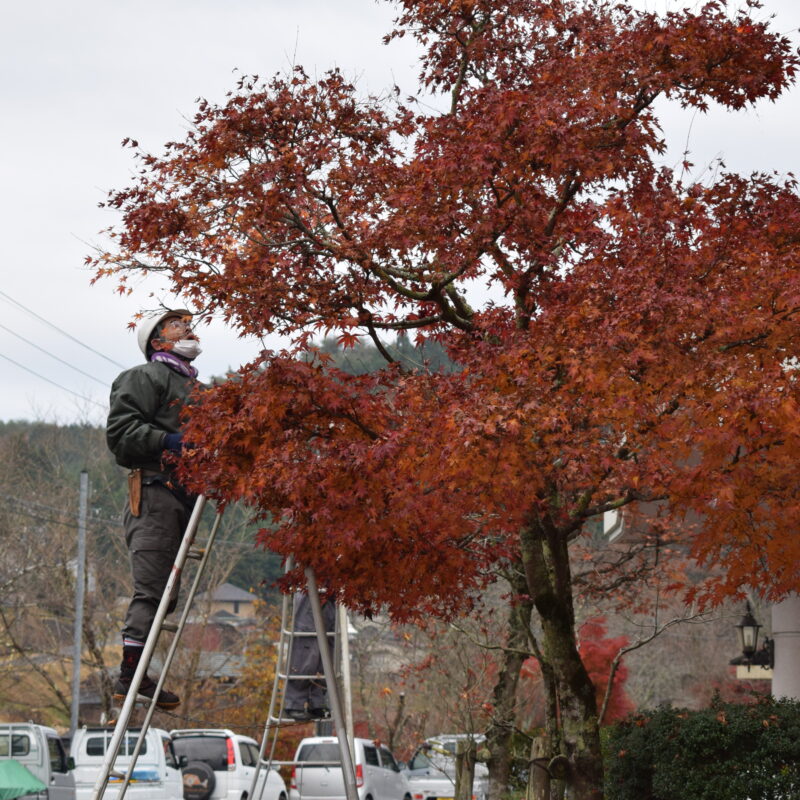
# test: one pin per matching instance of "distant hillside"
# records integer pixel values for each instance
(40, 481)
(365, 357)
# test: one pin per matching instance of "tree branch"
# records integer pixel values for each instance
(657, 631)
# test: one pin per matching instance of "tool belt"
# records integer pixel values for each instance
(146, 477)
(135, 492)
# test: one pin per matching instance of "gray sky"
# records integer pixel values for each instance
(80, 77)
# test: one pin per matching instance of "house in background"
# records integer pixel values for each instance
(229, 599)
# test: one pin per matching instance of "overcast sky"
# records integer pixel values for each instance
(79, 77)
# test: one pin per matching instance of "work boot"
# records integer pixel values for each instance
(130, 661)
(166, 700)
(297, 714)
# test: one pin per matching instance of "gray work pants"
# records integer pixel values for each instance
(153, 539)
(306, 658)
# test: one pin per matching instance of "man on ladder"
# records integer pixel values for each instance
(144, 427)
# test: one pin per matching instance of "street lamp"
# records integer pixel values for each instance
(748, 633)
(748, 639)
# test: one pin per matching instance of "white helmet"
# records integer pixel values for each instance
(148, 326)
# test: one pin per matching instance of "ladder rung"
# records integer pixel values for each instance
(172, 627)
(301, 677)
(301, 634)
(303, 763)
(196, 553)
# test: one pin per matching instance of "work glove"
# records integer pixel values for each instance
(173, 442)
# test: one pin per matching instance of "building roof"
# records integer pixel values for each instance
(220, 665)
(227, 593)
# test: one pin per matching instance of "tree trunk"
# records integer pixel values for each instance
(105, 684)
(538, 776)
(501, 729)
(465, 769)
(395, 728)
(577, 734)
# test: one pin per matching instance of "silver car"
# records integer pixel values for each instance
(431, 771)
(318, 773)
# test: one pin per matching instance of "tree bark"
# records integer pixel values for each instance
(501, 729)
(395, 728)
(577, 735)
(465, 769)
(538, 776)
(98, 662)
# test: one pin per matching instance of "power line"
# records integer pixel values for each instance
(48, 353)
(28, 508)
(10, 299)
(64, 388)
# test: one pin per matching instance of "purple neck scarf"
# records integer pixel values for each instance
(173, 362)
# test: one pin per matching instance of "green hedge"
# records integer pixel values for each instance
(726, 752)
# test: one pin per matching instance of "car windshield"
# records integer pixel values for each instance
(435, 755)
(419, 761)
(213, 750)
(20, 744)
(320, 751)
(96, 745)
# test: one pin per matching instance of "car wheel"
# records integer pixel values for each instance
(198, 781)
(282, 796)
(407, 797)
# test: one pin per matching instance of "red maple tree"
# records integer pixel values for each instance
(622, 335)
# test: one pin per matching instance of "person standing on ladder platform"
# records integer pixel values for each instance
(307, 699)
(144, 427)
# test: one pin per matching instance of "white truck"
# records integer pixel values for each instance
(156, 775)
(39, 749)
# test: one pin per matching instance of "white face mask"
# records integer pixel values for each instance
(187, 348)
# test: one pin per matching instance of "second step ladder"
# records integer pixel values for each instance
(304, 689)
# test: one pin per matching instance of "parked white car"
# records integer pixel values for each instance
(431, 771)
(219, 765)
(156, 775)
(39, 750)
(378, 775)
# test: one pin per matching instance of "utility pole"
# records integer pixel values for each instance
(80, 580)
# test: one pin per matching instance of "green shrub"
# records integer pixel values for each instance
(726, 752)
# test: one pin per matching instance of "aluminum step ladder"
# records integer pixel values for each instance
(187, 551)
(339, 688)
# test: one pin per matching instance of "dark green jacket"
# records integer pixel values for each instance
(146, 403)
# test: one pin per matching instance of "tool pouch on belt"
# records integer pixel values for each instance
(135, 491)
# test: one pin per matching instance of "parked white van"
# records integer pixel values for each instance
(40, 751)
(378, 775)
(156, 776)
(219, 764)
